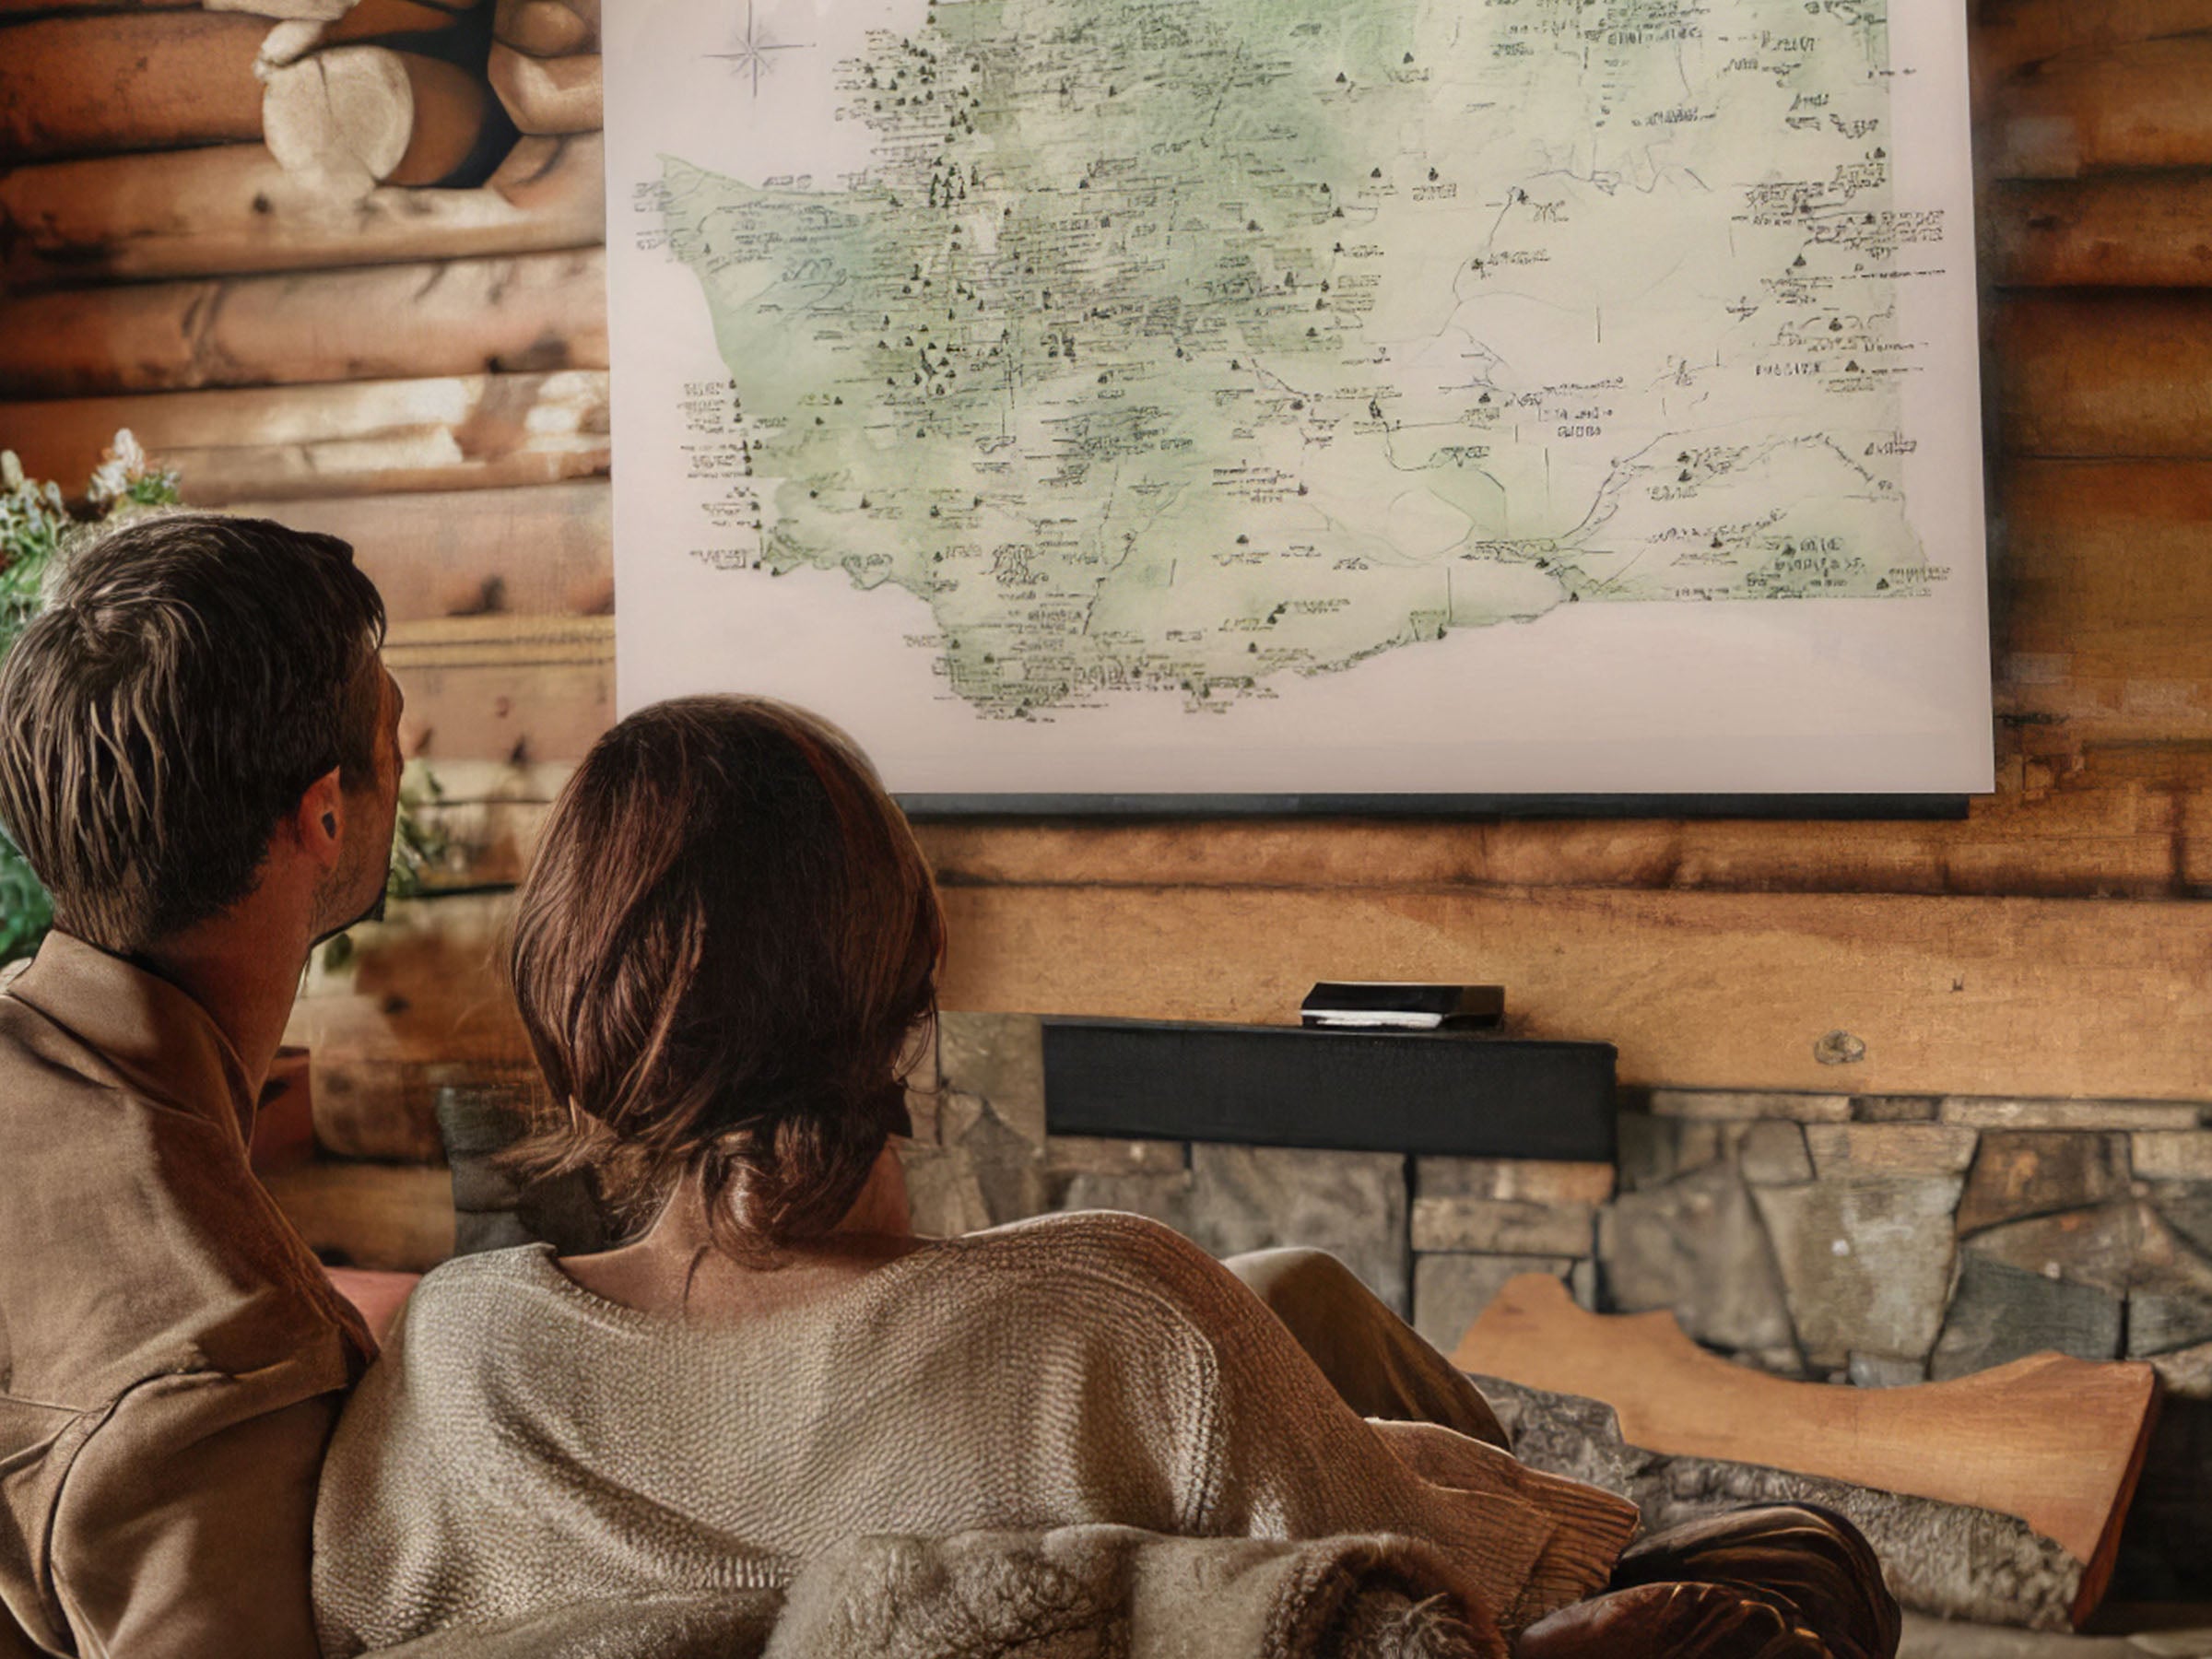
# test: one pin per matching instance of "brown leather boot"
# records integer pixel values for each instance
(1789, 1582)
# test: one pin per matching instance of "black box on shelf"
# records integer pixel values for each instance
(1438, 1093)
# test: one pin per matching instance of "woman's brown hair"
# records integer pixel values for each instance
(725, 948)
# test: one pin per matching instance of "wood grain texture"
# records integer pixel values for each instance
(2102, 543)
(546, 28)
(339, 119)
(1949, 996)
(533, 313)
(2010, 34)
(549, 94)
(2115, 684)
(2143, 229)
(509, 559)
(394, 1218)
(482, 688)
(273, 445)
(233, 209)
(2094, 997)
(349, 118)
(302, 11)
(2101, 830)
(155, 79)
(2124, 375)
(383, 19)
(2058, 1443)
(12, 9)
(2138, 104)
(421, 986)
(2134, 822)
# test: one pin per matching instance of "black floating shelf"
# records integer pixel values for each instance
(1437, 1093)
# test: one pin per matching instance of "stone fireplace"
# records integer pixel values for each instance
(1866, 1241)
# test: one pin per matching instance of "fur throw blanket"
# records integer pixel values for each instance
(1075, 1593)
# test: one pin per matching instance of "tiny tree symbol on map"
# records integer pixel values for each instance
(751, 55)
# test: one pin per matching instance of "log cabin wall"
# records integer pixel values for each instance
(344, 266)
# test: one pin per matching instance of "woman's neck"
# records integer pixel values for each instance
(677, 1267)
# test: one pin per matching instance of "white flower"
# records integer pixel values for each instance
(124, 464)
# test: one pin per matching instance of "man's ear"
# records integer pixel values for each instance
(320, 819)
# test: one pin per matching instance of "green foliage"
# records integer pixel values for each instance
(419, 846)
(33, 520)
(35, 523)
(25, 910)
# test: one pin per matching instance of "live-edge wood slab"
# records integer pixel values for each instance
(2058, 1443)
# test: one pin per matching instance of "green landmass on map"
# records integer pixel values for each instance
(1186, 345)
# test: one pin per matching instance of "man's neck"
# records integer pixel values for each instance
(243, 967)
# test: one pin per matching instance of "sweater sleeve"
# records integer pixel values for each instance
(1283, 1456)
(183, 1525)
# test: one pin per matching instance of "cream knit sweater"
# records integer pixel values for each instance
(523, 1443)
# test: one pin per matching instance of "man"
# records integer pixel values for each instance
(199, 755)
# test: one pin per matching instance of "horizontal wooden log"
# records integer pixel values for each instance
(377, 1109)
(11, 10)
(546, 28)
(2069, 821)
(1691, 986)
(354, 117)
(2064, 824)
(388, 1110)
(2127, 822)
(2097, 832)
(2008, 35)
(309, 11)
(1705, 989)
(2101, 545)
(2113, 230)
(467, 782)
(2141, 683)
(274, 444)
(485, 817)
(532, 313)
(99, 84)
(381, 19)
(233, 209)
(368, 1215)
(535, 553)
(420, 987)
(394, 1010)
(2137, 105)
(498, 688)
(2125, 375)
(549, 94)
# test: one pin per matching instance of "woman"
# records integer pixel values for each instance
(725, 954)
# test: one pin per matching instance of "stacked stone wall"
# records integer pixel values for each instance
(1866, 1239)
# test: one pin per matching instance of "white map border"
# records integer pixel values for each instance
(1738, 697)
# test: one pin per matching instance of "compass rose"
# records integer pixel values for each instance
(751, 55)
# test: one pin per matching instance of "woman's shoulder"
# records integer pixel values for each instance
(1090, 1236)
(463, 1277)
(1102, 1253)
(468, 1301)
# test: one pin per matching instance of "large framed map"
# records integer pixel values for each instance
(1306, 397)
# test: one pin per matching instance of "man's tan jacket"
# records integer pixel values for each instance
(172, 1357)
